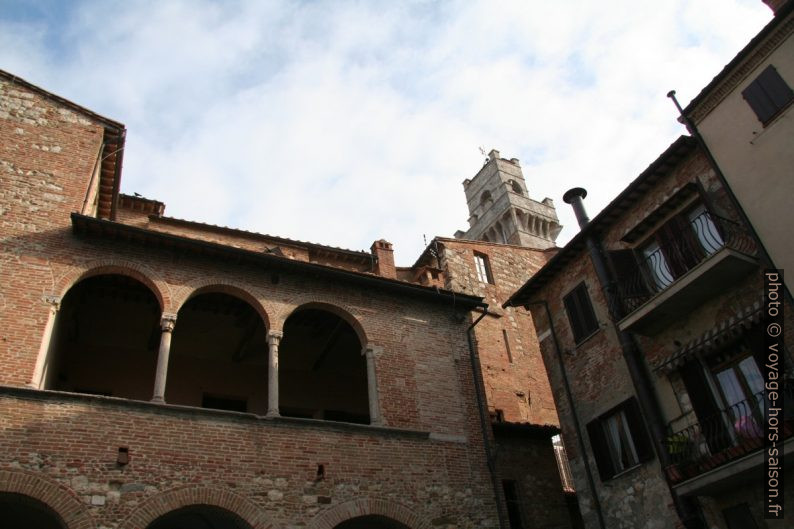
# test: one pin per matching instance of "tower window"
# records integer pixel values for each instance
(485, 199)
(516, 187)
(768, 95)
(483, 268)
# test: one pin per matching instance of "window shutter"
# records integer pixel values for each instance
(598, 443)
(775, 87)
(630, 284)
(759, 102)
(574, 317)
(639, 434)
(768, 94)
(706, 409)
(580, 313)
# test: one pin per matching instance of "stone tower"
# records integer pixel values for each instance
(501, 211)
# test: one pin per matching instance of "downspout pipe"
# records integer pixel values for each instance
(693, 130)
(479, 391)
(687, 510)
(577, 426)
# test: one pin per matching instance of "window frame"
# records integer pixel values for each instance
(635, 432)
(581, 314)
(482, 267)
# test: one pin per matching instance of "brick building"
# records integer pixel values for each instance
(744, 117)
(650, 325)
(160, 372)
(510, 237)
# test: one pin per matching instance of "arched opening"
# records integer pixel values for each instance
(371, 522)
(322, 373)
(18, 511)
(199, 517)
(218, 355)
(105, 339)
(485, 199)
(516, 187)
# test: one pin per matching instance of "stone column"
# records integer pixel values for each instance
(167, 325)
(372, 385)
(39, 369)
(273, 340)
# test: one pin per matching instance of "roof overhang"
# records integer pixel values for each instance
(84, 226)
(626, 200)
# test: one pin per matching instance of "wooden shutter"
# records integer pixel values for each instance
(705, 406)
(598, 443)
(768, 94)
(631, 287)
(639, 434)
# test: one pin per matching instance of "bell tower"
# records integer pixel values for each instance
(501, 211)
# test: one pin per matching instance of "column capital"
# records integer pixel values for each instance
(371, 350)
(274, 337)
(167, 322)
(53, 300)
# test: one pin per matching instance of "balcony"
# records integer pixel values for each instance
(725, 449)
(677, 275)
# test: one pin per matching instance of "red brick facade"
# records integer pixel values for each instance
(421, 465)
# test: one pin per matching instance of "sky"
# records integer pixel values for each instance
(343, 122)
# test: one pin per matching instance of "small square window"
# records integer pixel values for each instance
(768, 95)
(619, 440)
(483, 268)
(580, 313)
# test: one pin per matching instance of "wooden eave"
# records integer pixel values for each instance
(84, 226)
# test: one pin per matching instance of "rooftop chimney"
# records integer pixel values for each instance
(384, 258)
(574, 198)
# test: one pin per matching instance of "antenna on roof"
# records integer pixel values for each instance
(424, 238)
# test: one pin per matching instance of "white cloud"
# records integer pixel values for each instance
(343, 122)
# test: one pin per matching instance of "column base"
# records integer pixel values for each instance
(158, 400)
(272, 414)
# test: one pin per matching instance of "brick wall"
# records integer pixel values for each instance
(426, 467)
(515, 382)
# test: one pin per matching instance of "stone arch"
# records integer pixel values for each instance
(165, 502)
(485, 198)
(516, 187)
(333, 308)
(330, 518)
(225, 287)
(145, 275)
(61, 500)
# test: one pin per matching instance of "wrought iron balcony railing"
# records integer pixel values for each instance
(663, 264)
(728, 435)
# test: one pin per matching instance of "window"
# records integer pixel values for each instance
(681, 243)
(485, 199)
(734, 409)
(768, 95)
(483, 268)
(513, 503)
(580, 313)
(619, 440)
(516, 187)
